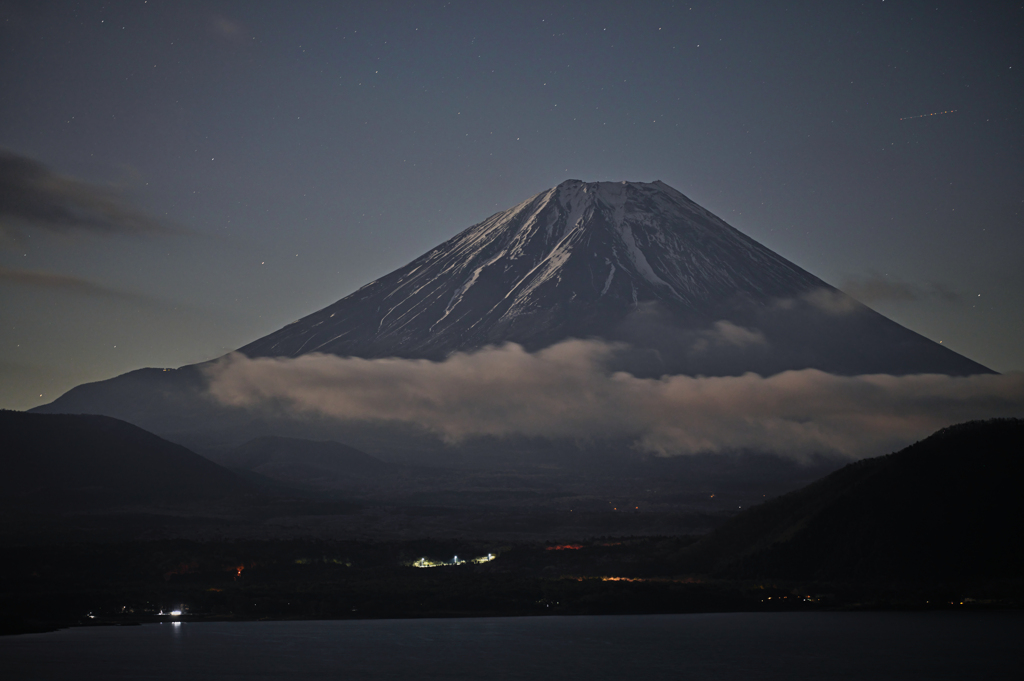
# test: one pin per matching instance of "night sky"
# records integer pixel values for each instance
(180, 178)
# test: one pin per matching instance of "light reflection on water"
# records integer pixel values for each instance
(709, 646)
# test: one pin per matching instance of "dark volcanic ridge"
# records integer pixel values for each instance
(83, 461)
(947, 508)
(322, 465)
(80, 478)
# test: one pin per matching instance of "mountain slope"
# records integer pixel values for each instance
(627, 261)
(307, 462)
(57, 460)
(571, 261)
(946, 508)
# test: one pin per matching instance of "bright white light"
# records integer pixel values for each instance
(174, 613)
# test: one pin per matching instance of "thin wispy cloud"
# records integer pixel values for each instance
(31, 195)
(725, 333)
(828, 300)
(229, 29)
(875, 288)
(67, 284)
(565, 391)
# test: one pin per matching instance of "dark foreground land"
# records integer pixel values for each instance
(44, 588)
(939, 524)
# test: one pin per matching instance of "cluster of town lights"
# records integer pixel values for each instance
(172, 613)
(427, 563)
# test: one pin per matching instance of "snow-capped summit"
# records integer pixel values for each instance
(571, 261)
(625, 261)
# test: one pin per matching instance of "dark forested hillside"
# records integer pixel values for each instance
(58, 460)
(946, 508)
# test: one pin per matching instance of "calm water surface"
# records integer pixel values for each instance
(711, 646)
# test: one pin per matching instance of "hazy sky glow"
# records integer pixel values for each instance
(180, 178)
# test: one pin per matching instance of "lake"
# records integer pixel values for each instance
(834, 645)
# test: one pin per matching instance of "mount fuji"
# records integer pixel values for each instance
(573, 261)
(671, 286)
(623, 261)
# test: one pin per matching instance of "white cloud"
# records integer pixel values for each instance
(565, 392)
(728, 334)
